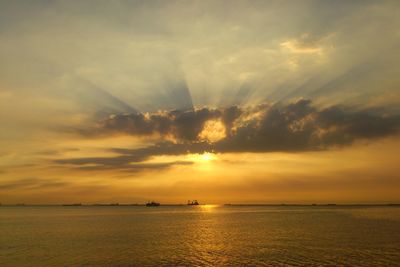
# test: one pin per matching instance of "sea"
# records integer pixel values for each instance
(204, 235)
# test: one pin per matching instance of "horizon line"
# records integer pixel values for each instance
(204, 204)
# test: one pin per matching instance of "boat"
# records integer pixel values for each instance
(152, 204)
(193, 203)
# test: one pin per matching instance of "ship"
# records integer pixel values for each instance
(152, 204)
(193, 203)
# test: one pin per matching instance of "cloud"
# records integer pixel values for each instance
(129, 167)
(299, 126)
(181, 125)
(267, 127)
(133, 160)
(295, 127)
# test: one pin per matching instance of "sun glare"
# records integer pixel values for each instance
(207, 156)
(208, 207)
(202, 158)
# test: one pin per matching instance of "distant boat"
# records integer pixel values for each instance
(152, 204)
(73, 204)
(193, 203)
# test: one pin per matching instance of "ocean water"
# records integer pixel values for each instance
(200, 236)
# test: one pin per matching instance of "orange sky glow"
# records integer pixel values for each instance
(263, 103)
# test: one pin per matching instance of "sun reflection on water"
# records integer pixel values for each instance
(208, 207)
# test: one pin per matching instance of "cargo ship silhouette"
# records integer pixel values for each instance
(193, 203)
(152, 204)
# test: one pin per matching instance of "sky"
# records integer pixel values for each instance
(219, 101)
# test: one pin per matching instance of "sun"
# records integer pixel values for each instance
(203, 158)
(207, 156)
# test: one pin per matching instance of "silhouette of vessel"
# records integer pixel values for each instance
(152, 204)
(193, 203)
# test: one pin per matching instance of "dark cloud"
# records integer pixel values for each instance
(129, 156)
(301, 127)
(293, 126)
(281, 128)
(132, 167)
(131, 160)
(297, 126)
(183, 125)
